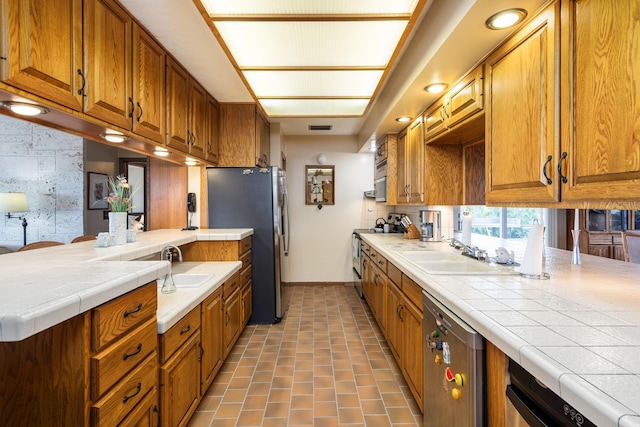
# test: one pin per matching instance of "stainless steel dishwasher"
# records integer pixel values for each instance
(454, 379)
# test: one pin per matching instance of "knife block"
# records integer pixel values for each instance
(412, 232)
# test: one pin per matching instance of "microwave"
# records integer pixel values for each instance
(380, 187)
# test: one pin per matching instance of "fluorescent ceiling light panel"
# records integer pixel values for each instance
(314, 107)
(287, 7)
(336, 83)
(309, 44)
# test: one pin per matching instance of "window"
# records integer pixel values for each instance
(504, 223)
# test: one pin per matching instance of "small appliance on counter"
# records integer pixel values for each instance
(431, 226)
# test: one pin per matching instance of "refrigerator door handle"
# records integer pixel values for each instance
(286, 230)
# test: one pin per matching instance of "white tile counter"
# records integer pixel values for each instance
(578, 332)
(43, 287)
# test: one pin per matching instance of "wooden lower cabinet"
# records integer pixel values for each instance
(395, 325)
(496, 363)
(180, 383)
(412, 357)
(212, 312)
(147, 414)
(231, 321)
(247, 303)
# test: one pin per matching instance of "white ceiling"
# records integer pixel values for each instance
(447, 41)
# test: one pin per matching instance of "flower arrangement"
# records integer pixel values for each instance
(120, 195)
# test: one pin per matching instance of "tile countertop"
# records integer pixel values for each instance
(41, 288)
(578, 332)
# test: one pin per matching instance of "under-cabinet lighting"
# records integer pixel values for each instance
(403, 119)
(24, 109)
(116, 138)
(505, 19)
(190, 162)
(436, 87)
(162, 152)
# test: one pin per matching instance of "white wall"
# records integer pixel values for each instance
(321, 238)
(47, 165)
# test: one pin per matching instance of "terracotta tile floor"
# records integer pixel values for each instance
(326, 364)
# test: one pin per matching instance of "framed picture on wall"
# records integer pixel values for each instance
(97, 190)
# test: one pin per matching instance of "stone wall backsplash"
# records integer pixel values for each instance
(47, 165)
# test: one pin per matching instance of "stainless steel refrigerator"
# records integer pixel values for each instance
(255, 198)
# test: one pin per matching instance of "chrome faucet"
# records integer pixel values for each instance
(167, 254)
(468, 250)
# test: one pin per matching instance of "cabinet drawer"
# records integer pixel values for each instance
(111, 364)
(600, 239)
(121, 400)
(245, 245)
(395, 275)
(246, 259)
(365, 248)
(146, 414)
(412, 291)
(245, 275)
(112, 319)
(381, 262)
(178, 334)
(231, 285)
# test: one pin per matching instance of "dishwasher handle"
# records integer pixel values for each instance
(529, 411)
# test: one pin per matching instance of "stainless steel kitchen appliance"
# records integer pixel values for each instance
(431, 226)
(531, 403)
(453, 369)
(255, 198)
(357, 262)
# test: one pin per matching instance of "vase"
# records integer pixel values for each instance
(117, 228)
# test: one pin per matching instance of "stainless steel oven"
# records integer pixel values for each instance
(531, 404)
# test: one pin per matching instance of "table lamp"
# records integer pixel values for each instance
(12, 203)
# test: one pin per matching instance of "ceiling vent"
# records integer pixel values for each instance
(320, 127)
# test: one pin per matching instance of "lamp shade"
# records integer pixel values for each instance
(14, 202)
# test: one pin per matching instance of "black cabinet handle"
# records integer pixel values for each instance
(81, 90)
(132, 107)
(544, 170)
(185, 330)
(140, 108)
(157, 411)
(562, 177)
(135, 393)
(135, 310)
(136, 351)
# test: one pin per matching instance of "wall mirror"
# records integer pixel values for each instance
(136, 171)
(320, 185)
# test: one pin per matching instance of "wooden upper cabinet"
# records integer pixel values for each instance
(466, 97)
(600, 101)
(244, 136)
(401, 169)
(107, 62)
(522, 144)
(148, 86)
(198, 116)
(415, 170)
(213, 142)
(177, 106)
(435, 121)
(42, 48)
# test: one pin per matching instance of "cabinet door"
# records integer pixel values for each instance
(177, 106)
(380, 300)
(211, 330)
(180, 384)
(600, 250)
(148, 86)
(238, 135)
(42, 52)
(435, 121)
(247, 303)
(107, 62)
(401, 158)
(599, 86)
(465, 99)
(415, 170)
(213, 142)
(395, 325)
(198, 116)
(522, 145)
(263, 144)
(412, 349)
(231, 321)
(146, 413)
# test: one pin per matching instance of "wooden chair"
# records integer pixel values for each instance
(631, 246)
(83, 239)
(38, 245)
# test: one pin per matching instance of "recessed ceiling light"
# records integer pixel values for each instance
(114, 137)
(25, 109)
(436, 87)
(505, 19)
(403, 119)
(162, 152)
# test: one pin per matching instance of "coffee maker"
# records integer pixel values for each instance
(430, 227)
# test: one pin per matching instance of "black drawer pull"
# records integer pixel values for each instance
(137, 309)
(136, 351)
(185, 330)
(139, 387)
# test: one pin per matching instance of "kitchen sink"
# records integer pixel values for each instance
(187, 280)
(455, 264)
